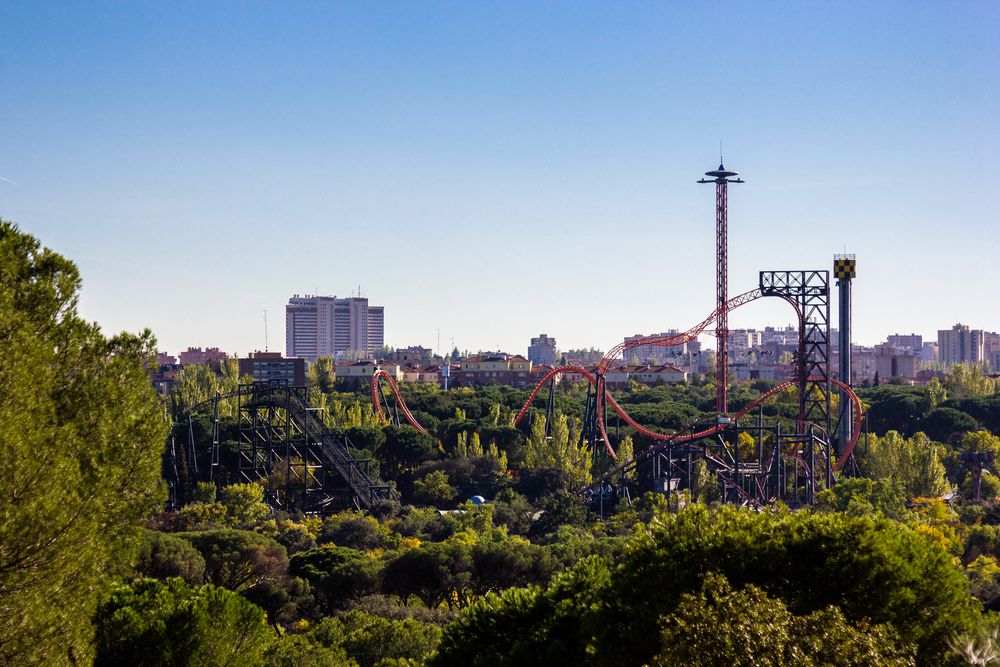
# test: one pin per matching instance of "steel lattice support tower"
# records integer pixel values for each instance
(722, 178)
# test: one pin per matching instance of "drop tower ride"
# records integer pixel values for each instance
(722, 178)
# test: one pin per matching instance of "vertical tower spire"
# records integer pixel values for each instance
(722, 178)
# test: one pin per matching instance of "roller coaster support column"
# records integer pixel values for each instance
(844, 270)
(721, 178)
(588, 418)
(550, 411)
(810, 291)
(214, 460)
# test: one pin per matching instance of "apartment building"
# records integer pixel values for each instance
(326, 326)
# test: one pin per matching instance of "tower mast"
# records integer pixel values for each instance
(722, 178)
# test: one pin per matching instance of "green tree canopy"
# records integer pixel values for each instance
(82, 437)
(152, 623)
(911, 463)
(874, 571)
(162, 556)
(720, 626)
(337, 574)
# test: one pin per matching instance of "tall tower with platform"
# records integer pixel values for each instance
(722, 177)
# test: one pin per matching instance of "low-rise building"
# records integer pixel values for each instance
(271, 366)
(895, 362)
(646, 374)
(426, 373)
(513, 370)
(411, 356)
(362, 371)
(164, 359)
(196, 355)
(164, 377)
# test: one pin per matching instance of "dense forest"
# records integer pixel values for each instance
(489, 555)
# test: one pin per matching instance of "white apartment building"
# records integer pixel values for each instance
(325, 326)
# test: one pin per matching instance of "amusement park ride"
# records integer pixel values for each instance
(278, 429)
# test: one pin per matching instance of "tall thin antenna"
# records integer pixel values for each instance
(265, 330)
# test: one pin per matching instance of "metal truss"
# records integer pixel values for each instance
(281, 438)
(810, 290)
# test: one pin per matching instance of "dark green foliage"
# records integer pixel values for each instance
(249, 563)
(720, 626)
(170, 623)
(986, 411)
(82, 436)
(470, 476)
(513, 510)
(405, 447)
(431, 573)
(536, 483)
(896, 408)
(370, 640)
(238, 559)
(203, 492)
(368, 438)
(162, 555)
(947, 424)
(861, 496)
(337, 575)
(520, 627)
(293, 536)
(497, 566)
(559, 509)
(299, 651)
(875, 570)
(664, 416)
(508, 440)
(434, 489)
(353, 530)
(570, 545)
(982, 541)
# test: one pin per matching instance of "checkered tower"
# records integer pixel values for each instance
(844, 270)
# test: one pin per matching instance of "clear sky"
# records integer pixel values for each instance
(494, 170)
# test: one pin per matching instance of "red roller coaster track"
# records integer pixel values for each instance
(665, 341)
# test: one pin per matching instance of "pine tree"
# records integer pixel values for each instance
(82, 436)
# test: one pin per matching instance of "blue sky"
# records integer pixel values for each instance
(495, 170)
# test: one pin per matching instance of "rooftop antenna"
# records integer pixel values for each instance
(265, 330)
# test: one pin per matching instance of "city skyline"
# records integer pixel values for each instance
(488, 172)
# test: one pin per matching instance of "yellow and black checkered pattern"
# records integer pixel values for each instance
(843, 269)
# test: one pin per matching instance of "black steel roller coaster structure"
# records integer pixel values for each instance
(281, 438)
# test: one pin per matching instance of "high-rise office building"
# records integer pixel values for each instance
(325, 326)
